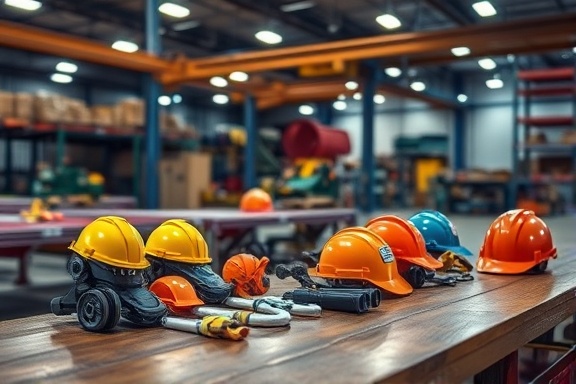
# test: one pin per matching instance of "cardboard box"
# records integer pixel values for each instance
(6, 104)
(24, 106)
(183, 178)
(102, 115)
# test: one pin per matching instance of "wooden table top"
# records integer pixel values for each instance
(439, 334)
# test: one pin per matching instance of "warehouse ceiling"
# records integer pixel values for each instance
(215, 27)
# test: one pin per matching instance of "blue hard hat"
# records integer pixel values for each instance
(439, 232)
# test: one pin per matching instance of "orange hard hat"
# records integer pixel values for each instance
(256, 200)
(404, 239)
(516, 242)
(247, 273)
(176, 292)
(357, 253)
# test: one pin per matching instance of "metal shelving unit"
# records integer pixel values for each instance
(533, 85)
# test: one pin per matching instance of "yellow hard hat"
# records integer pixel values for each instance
(180, 241)
(113, 241)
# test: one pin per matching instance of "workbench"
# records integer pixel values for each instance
(15, 204)
(436, 335)
(18, 239)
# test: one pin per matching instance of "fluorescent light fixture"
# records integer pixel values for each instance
(341, 97)
(27, 5)
(176, 98)
(238, 76)
(462, 98)
(494, 83)
(61, 78)
(174, 10)
(388, 21)
(297, 6)
(351, 85)
(220, 99)
(379, 99)
(339, 105)
(66, 67)
(185, 25)
(393, 71)
(418, 86)
(460, 51)
(574, 49)
(125, 46)
(268, 37)
(218, 81)
(484, 8)
(357, 96)
(487, 63)
(164, 100)
(306, 110)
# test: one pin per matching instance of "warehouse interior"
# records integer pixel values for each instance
(142, 108)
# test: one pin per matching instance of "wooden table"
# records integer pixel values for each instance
(436, 335)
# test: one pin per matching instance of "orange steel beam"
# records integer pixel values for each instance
(58, 44)
(492, 36)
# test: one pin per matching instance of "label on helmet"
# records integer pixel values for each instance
(386, 254)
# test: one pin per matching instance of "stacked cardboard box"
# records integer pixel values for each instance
(6, 104)
(130, 113)
(102, 115)
(183, 178)
(24, 106)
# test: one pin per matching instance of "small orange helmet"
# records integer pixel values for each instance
(357, 253)
(516, 242)
(176, 292)
(256, 200)
(248, 274)
(404, 239)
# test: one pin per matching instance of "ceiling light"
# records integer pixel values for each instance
(297, 6)
(574, 49)
(220, 99)
(351, 85)
(418, 86)
(357, 96)
(61, 78)
(494, 83)
(218, 81)
(125, 46)
(462, 98)
(388, 21)
(238, 76)
(339, 105)
(174, 10)
(164, 100)
(484, 8)
(460, 51)
(341, 97)
(487, 63)
(269, 37)
(393, 71)
(306, 110)
(185, 25)
(27, 5)
(64, 66)
(176, 98)
(379, 99)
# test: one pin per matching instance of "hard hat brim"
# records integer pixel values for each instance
(398, 286)
(504, 267)
(427, 262)
(459, 250)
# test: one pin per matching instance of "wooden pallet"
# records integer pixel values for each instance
(308, 202)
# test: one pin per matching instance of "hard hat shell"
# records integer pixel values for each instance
(256, 200)
(439, 233)
(178, 240)
(113, 241)
(404, 239)
(357, 253)
(176, 292)
(516, 242)
(246, 272)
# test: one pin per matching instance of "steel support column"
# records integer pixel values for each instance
(370, 83)
(459, 135)
(251, 137)
(324, 112)
(152, 92)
